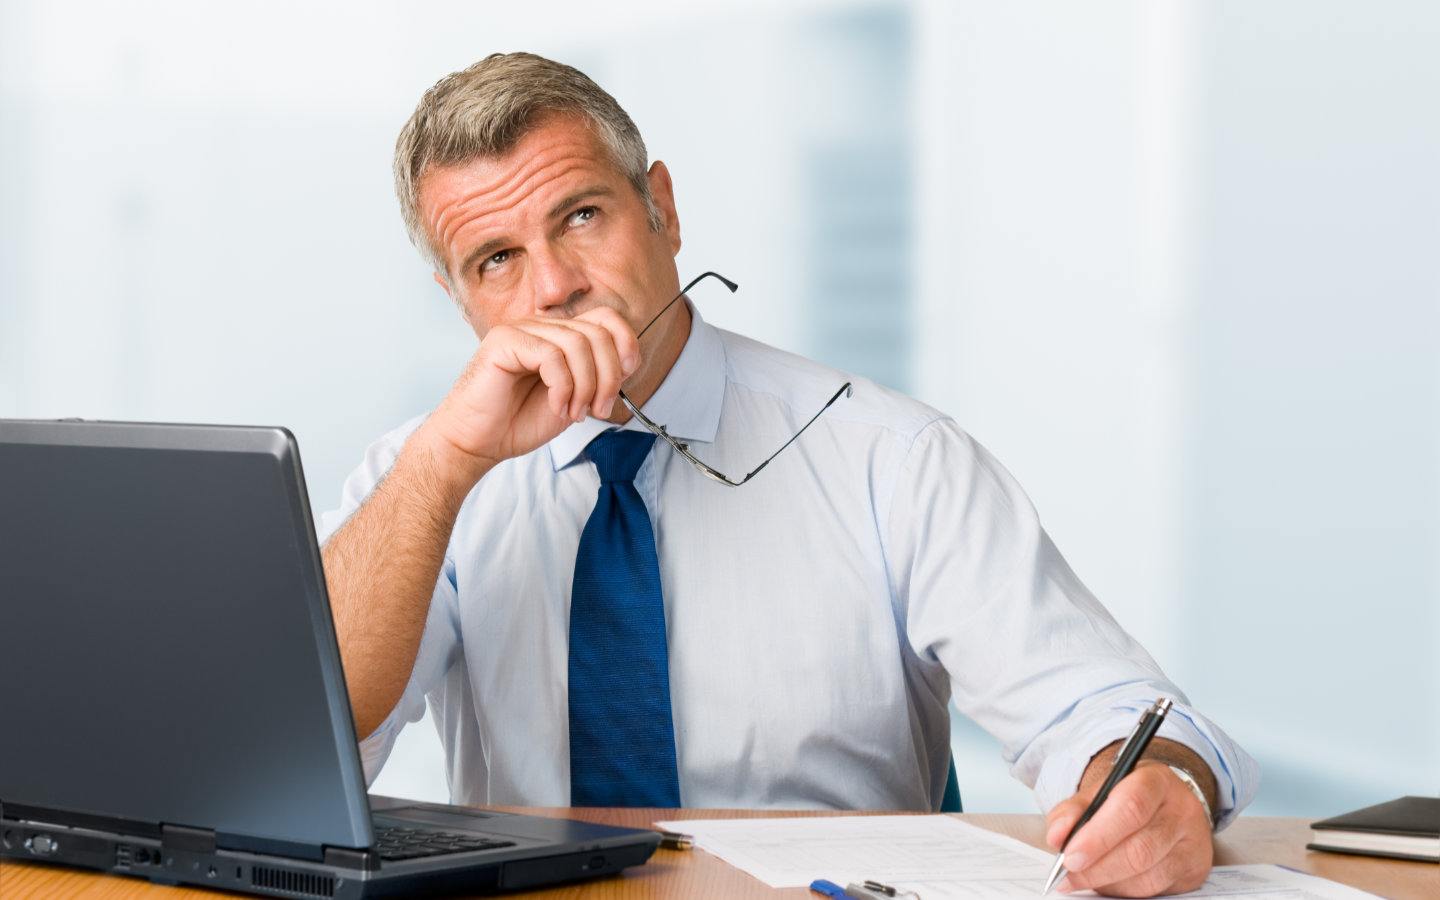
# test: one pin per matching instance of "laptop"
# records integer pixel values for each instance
(174, 705)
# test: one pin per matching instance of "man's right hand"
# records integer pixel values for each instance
(528, 381)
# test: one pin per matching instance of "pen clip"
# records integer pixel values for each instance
(1160, 708)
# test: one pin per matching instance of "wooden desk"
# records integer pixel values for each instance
(695, 874)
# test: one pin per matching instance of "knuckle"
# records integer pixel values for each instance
(1192, 878)
(603, 329)
(1168, 875)
(500, 334)
(1141, 853)
(1138, 857)
(570, 338)
(614, 324)
(552, 367)
(1129, 809)
(554, 354)
(601, 317)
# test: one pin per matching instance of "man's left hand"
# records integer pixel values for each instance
(1151, 836)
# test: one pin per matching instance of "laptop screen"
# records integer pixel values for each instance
(167, 654)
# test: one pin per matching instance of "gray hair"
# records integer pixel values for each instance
(485, 110)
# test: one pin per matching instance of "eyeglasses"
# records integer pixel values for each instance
(682, 447)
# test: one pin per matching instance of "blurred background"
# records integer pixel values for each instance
(1175, 263)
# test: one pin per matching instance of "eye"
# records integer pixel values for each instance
(496, 259)
(583, 215)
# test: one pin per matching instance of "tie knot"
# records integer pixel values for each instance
(618, 454)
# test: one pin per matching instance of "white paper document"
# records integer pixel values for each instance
(939, 858)
(1255, 882)
(793, 852)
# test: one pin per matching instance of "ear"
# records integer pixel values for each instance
(663, 193)
(440, 280)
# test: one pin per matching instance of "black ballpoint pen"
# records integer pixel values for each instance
(1125, 761)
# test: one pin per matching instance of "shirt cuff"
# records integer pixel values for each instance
(1236, 774)
(375, 749)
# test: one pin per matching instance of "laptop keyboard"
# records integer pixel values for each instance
(397, 842)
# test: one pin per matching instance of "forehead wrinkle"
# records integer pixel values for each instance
(566, 203)
(513, 190)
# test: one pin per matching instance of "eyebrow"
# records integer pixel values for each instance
(565, 205)
(579, 197)
(480, 253)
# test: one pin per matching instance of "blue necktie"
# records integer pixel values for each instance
(622, 738)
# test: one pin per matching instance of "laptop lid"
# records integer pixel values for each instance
(167, 653)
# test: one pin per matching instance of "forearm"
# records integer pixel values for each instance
(381, 567)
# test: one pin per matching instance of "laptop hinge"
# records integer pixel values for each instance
(189, 840)
(17, 812)
(346, 858)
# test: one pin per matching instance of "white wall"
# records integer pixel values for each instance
(1179, 273)
(1172, 261)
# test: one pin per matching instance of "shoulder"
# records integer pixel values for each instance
(381, 453)
(759, 370)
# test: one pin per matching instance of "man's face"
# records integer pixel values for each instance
(553, 229)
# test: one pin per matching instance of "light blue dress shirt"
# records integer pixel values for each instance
(819, 618)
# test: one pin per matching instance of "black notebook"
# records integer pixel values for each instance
(1408, 828)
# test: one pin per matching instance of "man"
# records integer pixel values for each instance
(793, 641)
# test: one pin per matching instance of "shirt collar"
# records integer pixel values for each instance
(687, 403)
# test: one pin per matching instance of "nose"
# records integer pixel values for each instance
(558, 277)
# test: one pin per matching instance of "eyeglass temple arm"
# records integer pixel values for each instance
(685, 290)
(844, 390)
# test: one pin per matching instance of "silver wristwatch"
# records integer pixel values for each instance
(1194, 786)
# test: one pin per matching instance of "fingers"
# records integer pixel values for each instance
(521, 356)
(528, 381)
(1062, 818)
(581, 361)
(615, 349)
(1150, 837)
(1183, 868)
(622, 337)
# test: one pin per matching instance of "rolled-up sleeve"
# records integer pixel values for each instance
(1031, 655)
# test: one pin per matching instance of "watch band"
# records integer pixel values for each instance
(1194, 787)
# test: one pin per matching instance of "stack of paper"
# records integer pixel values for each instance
(939, 858)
